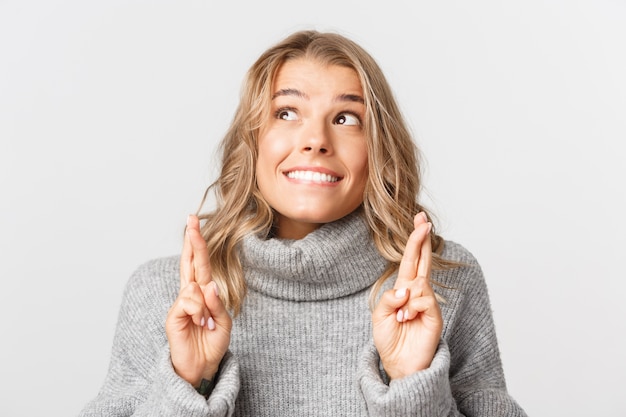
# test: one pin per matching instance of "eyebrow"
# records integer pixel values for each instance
(290, 92)
(355, 98)
(350, 97)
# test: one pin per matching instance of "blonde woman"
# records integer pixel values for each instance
(308, 290)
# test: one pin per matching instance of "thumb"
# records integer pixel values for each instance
(215, 305)
(389, 303)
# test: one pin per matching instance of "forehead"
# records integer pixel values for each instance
(315, 78)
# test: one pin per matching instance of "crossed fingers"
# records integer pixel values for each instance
(194, 259)
(414, 271)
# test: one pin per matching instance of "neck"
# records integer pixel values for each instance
(336, 259)
(293, 229)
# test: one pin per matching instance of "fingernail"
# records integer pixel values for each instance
(210, 324)
(188, 220)
(430, 227)
(217, 290)
(399, 316)
(400, 293)
(202, 322)
(424, 216)
(406, 314)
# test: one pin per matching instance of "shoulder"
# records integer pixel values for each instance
(464, 265)
(147, 297)
(455, 252)
(154, 283)
(156, 269)
(464, 278)
(466, 307)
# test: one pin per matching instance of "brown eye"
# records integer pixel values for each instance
(286, 114)
(347, 119)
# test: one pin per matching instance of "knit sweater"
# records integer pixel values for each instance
(302, 345)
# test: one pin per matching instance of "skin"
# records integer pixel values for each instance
(315, 127)
(197, 325)
(407, 321)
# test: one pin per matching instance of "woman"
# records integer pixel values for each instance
(307, 291)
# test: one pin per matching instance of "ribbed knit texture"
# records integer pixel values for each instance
(302, 345)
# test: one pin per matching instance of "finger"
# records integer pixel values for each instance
(419, 218)
(190, 303)
(426, 256)
(200, 257)
(186, 261)
(389, 304)
(218, 315)
(420, 288)
(410, 259)
(426, 305)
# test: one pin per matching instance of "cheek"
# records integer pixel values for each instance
(264, 176)
(264, 156)
(271, 151)
(358, 164)
(263, 170)
(272, 148)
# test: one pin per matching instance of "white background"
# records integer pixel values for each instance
(110, 112)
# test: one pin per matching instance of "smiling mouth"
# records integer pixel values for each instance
(312, 176)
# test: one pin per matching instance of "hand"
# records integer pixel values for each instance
(197, 325)
(407, 321)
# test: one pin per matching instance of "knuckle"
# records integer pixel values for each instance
(390, 295)
(191, 291)
(185, 290)
(181, 304)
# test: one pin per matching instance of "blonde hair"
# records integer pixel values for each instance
(390, 197)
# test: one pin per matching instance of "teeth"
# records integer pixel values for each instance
(311, 176)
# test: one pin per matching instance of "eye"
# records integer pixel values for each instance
(286, 114)
(348, 119)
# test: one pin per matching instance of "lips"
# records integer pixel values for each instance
(312, 176)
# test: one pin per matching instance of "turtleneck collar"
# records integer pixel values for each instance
(336, 260)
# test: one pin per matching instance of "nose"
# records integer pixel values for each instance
(316, 139)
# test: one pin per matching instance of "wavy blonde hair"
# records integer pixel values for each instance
(390, 197)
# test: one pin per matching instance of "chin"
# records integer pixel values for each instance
(318, 216)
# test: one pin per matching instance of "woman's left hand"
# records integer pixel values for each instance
(407, 321)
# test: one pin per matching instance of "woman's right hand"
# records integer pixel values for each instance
(197, 325)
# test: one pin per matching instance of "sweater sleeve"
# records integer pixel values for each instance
(465, 377)
(425, 393)
(141, 380)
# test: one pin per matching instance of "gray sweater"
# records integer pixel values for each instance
(302, 345)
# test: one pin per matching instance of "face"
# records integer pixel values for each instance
(312, 152)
